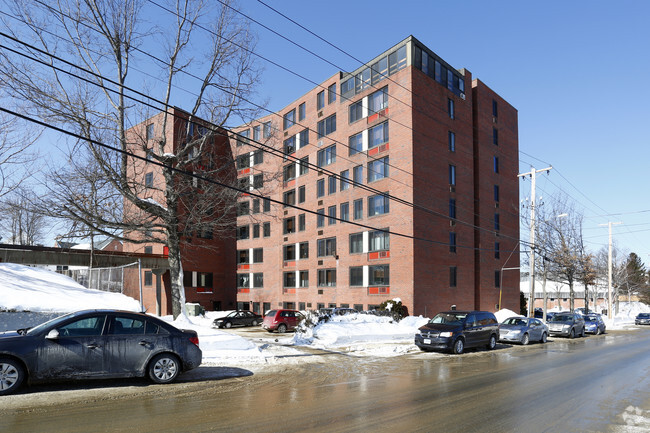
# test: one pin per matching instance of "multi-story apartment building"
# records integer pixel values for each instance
(398, 180)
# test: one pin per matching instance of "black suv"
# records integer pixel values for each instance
(456, 330)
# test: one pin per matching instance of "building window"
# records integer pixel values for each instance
(266, 129)
(496, 164)
(301, 222)
(450, 108)
(495, 136)
(326, 126)
(256, 230)
(289, 119)
(378, 240)
(497, 250)
(266, 204)
(243, 281)
(303, 166)
(320, 218)
(356, 111)
(377, 169)
(289, 252)
(452, 141)
(256, 206)
(301, 111)
(496, 193)
(378, 135)
(495, 111)
(497, 224)
(331, 213)
(452, 174)
(326, 156)
(452, 242)
(331, 185)
(377, 205)
(327, 278)
(356, 243)
(331, 93)
(289, 197)
(258, 181)
(258, 157)
(267, 229)
(258, 255)
(148, 278)
(242, 137)
(320, 100)
(358, 209)
(327, 247)
(345, 211)
(243, 208)
(379, 275)
(148, 250)
(304, 278)
(150, 131)
(242, 232)
(256, 133)
(357, 175)
(302, 194)
(497, 279)
(345, 183)
(304, 138)
(452, 208)
(148, 180)
(453, 276)
(289, 279)
(258, 280)
(378, 100)
(355, 143)
(379, 70)
(290, 145)
(304, 250)
(320, 188)
(289, 225)
(356, 276)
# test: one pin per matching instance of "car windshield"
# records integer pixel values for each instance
(515, 321)
(561, 318)
(50, 323)
(449, 318)
(644, 315)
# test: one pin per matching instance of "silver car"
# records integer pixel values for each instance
(567, 324)
(522, 330)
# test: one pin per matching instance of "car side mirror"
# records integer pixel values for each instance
(52, 335)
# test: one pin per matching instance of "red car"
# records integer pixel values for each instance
(281, 320)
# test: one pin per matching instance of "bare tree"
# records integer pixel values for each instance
(23, 224)
(200, 45)
(16, 157)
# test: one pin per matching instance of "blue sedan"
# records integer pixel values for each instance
(594, 324)
(523, 330)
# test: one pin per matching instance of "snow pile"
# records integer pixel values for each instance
(504, 314)
(23, 288)
(627, 312)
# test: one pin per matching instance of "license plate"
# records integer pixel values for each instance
(427, 341)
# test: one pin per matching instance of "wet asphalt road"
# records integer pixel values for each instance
(595, 384)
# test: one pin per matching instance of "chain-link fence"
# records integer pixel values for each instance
(105, 279)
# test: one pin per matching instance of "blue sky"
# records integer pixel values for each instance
(578, 72)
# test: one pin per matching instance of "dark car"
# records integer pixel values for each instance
(238, 318)
(281, 320)
(97, 344)
(327, 313)
(642, 319)
(456, 330)
(594, 324)
(523, 330)
(566, 324)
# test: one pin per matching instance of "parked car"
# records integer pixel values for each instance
(457, 330)
(238, 318)
(326, 313)
(523, 330)
(566, 324)
(97, 344)
(281, 320)
(642, 319)
(594, 323)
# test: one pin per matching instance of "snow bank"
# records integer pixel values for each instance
(23, 288)
(505, 314)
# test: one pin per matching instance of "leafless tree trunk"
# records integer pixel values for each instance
(216, 71)
(22, 224)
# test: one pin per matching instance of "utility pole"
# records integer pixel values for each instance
(531, 292)
(609, 269)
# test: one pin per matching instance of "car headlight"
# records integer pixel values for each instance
(446, 334)
(515, 331)
(566, 327)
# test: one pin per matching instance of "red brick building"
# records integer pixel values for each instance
(418, 159)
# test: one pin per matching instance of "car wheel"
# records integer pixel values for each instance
(228, 325)
(572, 334)
(282, 328)
(544, 338)
(164, 368)
(254, 323)
(597, 331)
(525, 339)
(459, 346)
(492, 343)
(12, 375)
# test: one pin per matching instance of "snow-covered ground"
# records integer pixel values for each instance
(39, 290)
